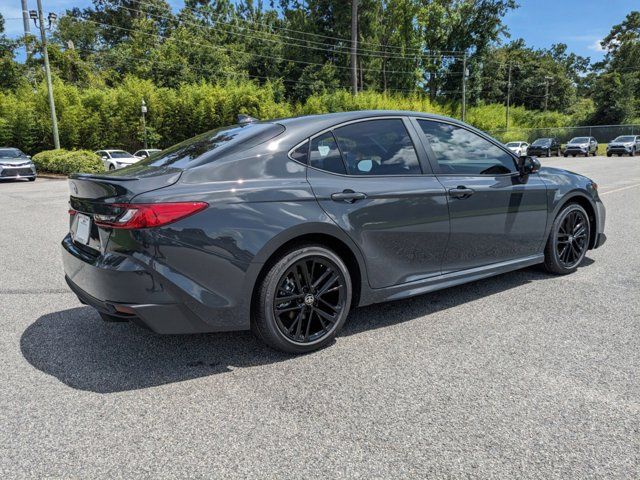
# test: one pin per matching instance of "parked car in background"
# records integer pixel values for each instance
(581, 146)
(629, 144)
(146, 153)
(114, 159)
(283, 226)
(544, 147)
(519, 148)
(14, 163)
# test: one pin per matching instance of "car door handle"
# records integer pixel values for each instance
(460, 192)
(348, 196)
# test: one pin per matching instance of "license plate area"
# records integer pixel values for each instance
(83, 229)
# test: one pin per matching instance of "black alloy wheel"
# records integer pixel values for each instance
(568, 241)
(303, 301)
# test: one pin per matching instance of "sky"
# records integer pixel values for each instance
(581, 24)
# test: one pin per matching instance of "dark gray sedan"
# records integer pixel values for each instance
(15, 164)
(284, 226)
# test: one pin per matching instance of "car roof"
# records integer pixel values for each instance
(308, 125)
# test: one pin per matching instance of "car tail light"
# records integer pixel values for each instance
(148, 215)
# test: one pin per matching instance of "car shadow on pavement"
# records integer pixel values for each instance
(86, 353)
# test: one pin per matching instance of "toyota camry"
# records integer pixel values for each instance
(283, 226)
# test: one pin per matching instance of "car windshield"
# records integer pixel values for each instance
(625, 138)
(119, 154)
(220, 139)
(579, 140)
(513, 144)
(542, 141)
(11, 153)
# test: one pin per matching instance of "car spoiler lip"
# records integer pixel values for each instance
(81, 176)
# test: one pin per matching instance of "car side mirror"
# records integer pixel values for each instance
(528, 165)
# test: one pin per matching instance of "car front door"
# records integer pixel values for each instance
(368, 178)
(496, 215)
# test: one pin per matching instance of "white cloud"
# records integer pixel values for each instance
(596, 47)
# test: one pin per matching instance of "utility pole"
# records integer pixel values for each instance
(508, 97)
(47, 69)
(27, 27)
(143, 109)
(354, 47)
(546, 92)
(465, 74)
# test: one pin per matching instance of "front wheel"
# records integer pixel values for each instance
(303, 300)
(568, 241)
(548, 152)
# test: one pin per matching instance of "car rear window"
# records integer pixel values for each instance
(209, 146)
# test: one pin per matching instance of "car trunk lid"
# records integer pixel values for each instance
(94, 195)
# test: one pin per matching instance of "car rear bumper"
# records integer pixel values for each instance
(119, 285)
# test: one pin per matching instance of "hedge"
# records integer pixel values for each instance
(101, 118)
(68, 161)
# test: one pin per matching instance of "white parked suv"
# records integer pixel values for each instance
(519, 148)
(113, 159)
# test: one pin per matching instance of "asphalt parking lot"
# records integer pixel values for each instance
(522, 375)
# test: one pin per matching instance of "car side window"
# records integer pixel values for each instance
(325, 155)
(301, 153)
(460, 151)
(378, 147)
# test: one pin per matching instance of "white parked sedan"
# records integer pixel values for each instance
(114, 159)
(146, 153)
(519, 148)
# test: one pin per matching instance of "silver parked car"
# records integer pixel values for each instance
(114, 159)
(624, 144)
(14, 163)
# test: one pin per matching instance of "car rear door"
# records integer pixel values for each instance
(495, 214)
(368, 177)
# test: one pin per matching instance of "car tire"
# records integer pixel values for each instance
(112, 318)
(304, 323)
(632, 153)
(608, 154)
(111, 167)
(32, 179)
(568, 240)
(566, 155)
(587, 153)
(548, 152)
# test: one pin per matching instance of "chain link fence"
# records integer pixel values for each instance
(602, 133)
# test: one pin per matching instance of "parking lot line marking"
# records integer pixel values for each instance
(620, 189)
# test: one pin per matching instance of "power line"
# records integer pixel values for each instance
(342, 39)
(200, 69)
(217, 47)
(279, 39)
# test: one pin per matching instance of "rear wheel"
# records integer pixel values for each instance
(568, 241)
(303, 300)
